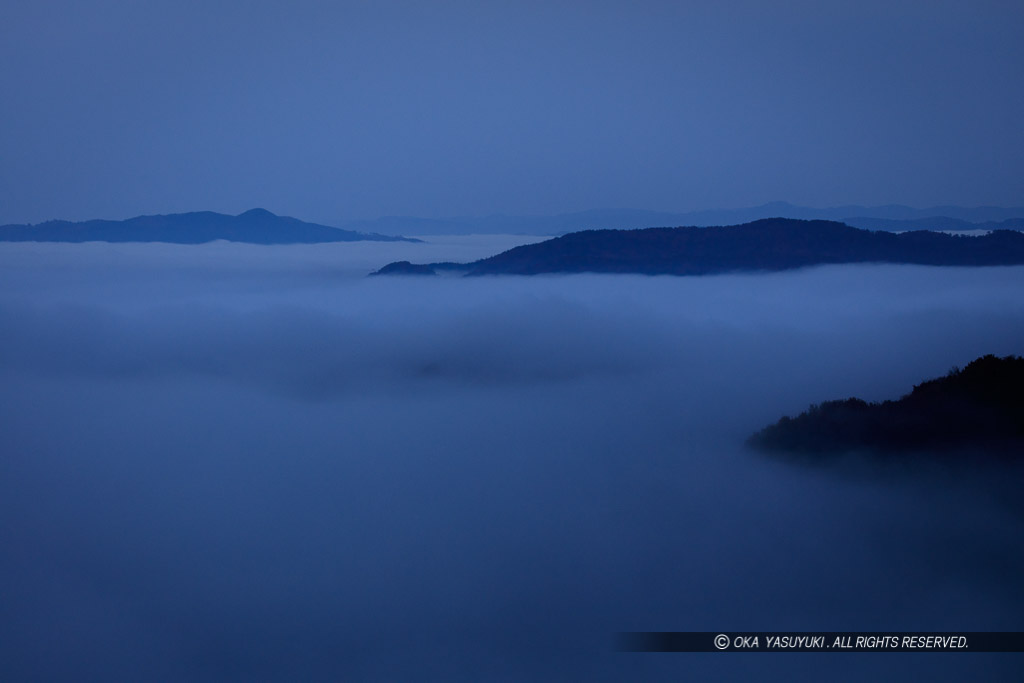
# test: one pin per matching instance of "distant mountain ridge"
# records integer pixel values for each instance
(763, 245)
(937, 223)
(256, 226)
(893, 217)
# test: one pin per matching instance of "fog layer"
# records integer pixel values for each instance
(228, 462)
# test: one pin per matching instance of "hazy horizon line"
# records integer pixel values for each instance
(337, 222)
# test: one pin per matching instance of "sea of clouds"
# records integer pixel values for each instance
(239, 462)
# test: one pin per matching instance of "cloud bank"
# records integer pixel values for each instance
(223, 463)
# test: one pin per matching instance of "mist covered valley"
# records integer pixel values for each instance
(234, 461)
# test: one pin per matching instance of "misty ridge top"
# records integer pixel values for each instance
(256, 226)
(764, 245)
(980, 407)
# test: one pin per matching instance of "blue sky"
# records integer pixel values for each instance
(340, 110)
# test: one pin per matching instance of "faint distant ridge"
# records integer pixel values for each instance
(893, 217)
(890, 212)
(257, 226)
(940, 223)
(980, 408)
(765, 245)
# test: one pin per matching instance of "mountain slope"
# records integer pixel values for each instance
(770, 244)
(980, 406)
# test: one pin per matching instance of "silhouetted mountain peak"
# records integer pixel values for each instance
(257, 213)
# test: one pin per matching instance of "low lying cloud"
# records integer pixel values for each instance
(320, 352)
(239, 462)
